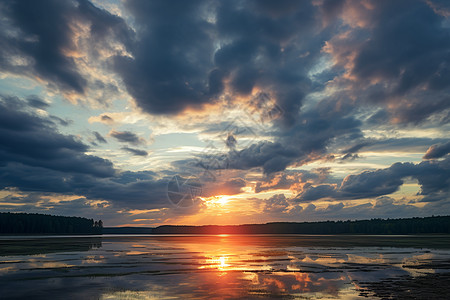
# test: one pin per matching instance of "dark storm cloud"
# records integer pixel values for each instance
(126, 190)
(409, 46)
(126, 137)
(35, 157)
(186, 50)
(319, 133)
(42, 33)
(29, 139)
(136, 152)
(104, 25)
(36, 37)
(138, 193)
(401, 57)
(307, 140)
(432, 176)
(265, 48)
(437, 151)
(172, 60)
(314, 133)
(331, 8)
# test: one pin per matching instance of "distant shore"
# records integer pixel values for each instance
(405, 226)
(38, 224)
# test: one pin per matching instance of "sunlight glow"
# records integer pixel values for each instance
(220, 200)
(219, 263)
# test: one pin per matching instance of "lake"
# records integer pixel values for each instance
(222, 266)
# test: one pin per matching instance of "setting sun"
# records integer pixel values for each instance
(220, 200)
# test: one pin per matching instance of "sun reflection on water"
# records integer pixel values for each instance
(216, 267)
(219, 263)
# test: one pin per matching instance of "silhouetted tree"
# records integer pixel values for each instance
(24, 223)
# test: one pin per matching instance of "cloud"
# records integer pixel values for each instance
(43, 34)
(107, 119)
(61, 122)
(37, 102)
(203, 48)
(292, 180)
(308, 140)
(220, 186)
(124, 190)
(171, 60)
(433, 178)
(400, 62)
(35, 157)
(317, 192)
(342, 77)
(264, 50)
(29, 139)
(276, 204)
(43, 40)
(139, 192)
(437, 151)
(127, 137)
(188, 54)
(280, 208)
(136, 152)
(440, 7)
(406, 144)
(382, 208)
(99, 138)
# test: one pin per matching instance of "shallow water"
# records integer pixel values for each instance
(212, 267)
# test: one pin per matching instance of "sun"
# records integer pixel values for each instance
(220, 200)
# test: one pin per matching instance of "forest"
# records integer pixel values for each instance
(426, 225)
(26, 223)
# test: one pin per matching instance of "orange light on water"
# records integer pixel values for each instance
(222, 262)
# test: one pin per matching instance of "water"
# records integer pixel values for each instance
(212, 267)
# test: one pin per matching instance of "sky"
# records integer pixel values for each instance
(143, 113)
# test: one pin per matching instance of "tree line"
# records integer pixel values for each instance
(27, 223)
(426, 225)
